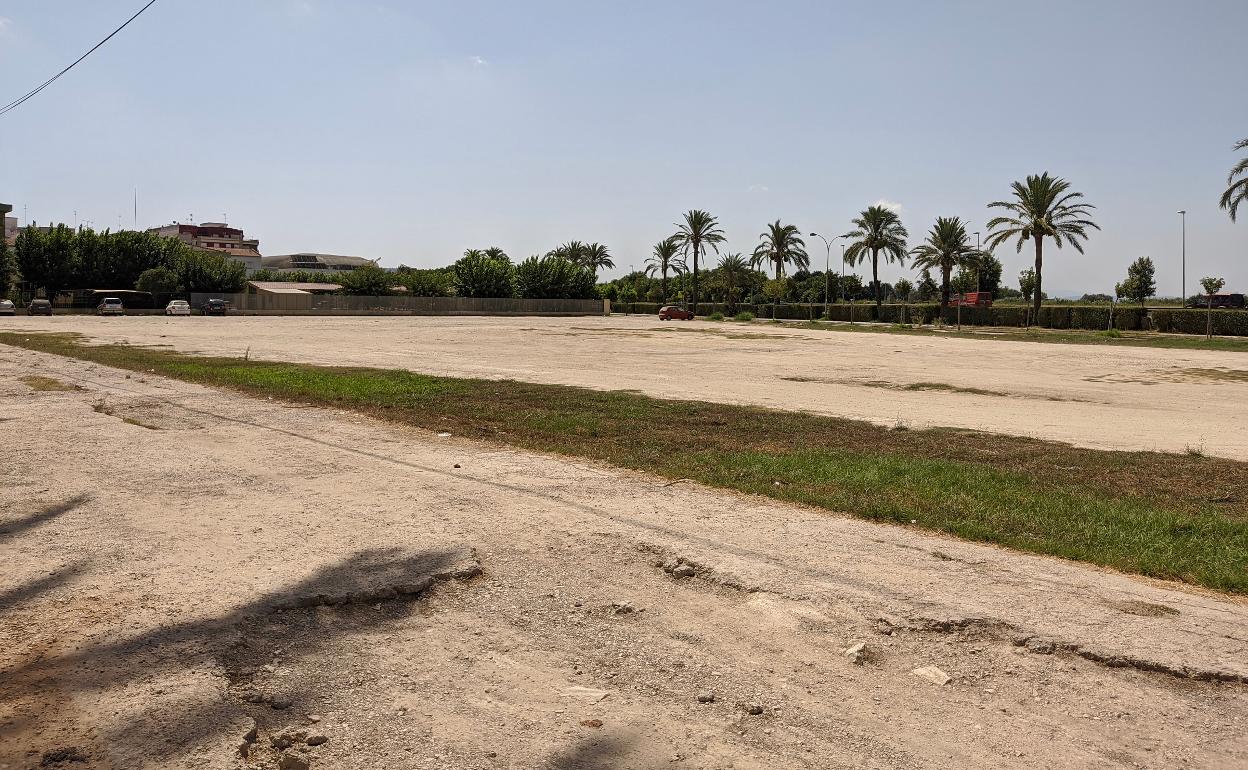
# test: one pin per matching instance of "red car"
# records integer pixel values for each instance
(674, 313)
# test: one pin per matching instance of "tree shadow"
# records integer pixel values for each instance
(10, 529)
(32, 588)
(237, 642)
(598, 752)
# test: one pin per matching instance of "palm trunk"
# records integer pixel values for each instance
(694, 310)
(875, 278)
(1209, 319)
(944, 287)
(664, 284)
(1035, 301)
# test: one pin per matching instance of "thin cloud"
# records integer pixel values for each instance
(5, 23)
(891, 205)
(758, 188)
(478, 60)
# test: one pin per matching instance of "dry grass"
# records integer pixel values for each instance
(49, 384)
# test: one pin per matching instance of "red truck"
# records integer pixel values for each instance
(973, 299)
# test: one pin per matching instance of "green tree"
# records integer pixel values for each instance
(902, 290)
(439, 282)
(554, 278)
(988, 274)
(47, 258)
(158, 281)
(597, 257)
(663, 259)
(8, 268)
(698, 231)
(947, 247)
(1141, 281)
(1237, 189)
(927, 288)
(781, 245)
(200, 270)
(877, 231)
(480, 275)
(1042, 207)
(1211, 286)
(734, 273)
(367, 281)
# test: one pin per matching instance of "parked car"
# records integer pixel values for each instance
(178, 307)
(1221, 299)
(7, 308)
(39, 307)
(110, 306)
(674, 313)
(214, 307)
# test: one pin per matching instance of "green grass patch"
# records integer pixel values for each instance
(743, 317)
(48, 384)
(1181, 516)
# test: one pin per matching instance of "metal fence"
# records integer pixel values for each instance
(335, 304)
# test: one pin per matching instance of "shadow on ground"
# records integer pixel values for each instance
(11, 529)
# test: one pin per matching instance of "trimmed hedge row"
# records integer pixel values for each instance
(1089, 317)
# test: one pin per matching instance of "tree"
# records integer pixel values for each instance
(597, 257)
(200, 270)
(439, 282)
(902, 290)
(1042, 207)
(664, 259)
(947, 247)
(877, 230)
(734, 272)
(1211, 286)
(7, 265)
(781, 245)
(698, 230)
(1140, 283)
(927, 288)
(158, 281)
(1027, 287)
(988, 274)
(554, 278)
(1237, 189)
(480, 275)
(367, 281)
(47, 258)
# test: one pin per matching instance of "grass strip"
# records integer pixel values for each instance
(1174, 516)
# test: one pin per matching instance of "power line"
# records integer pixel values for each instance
(18, 102)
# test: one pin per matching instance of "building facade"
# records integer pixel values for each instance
(216, 236)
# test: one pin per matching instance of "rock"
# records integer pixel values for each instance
(754, 709)
(280, 742)
(281, 704)
(317, 740)
(254, 697)
(456, 465)
(587, 694)
(623, 608)
(314, 718)
(932, 674)
(1040, 646)
(706, 697)
(857, 654)
(684, 571)
(416, 586)
(293, 762)
(251, 735)
(385, 594)
(594, 723)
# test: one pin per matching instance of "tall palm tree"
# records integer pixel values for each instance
(665, 258)
(495, 252)
(733, 268)
(597, 257)
(698, 231)
(877, 231)
(1237, 190)
(781, 245)
(947, 246)
(1042, 206)
(573, 251)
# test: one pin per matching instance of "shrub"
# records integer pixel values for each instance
(744, 316)
(208, 271)
(553, 277)
(427, 283)
(367, 281)
(157, 280)
(716, 316)
(478, 274)
(1188, 321)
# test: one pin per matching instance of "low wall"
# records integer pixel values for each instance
(334, 304)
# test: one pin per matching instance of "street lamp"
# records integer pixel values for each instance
(827, 268)
(1183, 285)
(979, 270)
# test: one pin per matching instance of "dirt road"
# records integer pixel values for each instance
(182, 565)
(1097, 396)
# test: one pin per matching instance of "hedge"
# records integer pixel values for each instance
(1225, 322)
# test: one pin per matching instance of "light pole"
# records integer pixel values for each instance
(978, 249)
(1183, 285)
(827, 268)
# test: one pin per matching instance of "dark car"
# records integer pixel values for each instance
(214, 307)
(674, 313)
(39, 307)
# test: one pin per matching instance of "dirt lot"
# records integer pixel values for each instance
(1096, 396)
(182, 567)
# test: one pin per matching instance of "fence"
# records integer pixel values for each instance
(334, 304)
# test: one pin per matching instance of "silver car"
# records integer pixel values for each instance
(7, 308)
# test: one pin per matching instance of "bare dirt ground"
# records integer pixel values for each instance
(193, 579)
(1097, 396)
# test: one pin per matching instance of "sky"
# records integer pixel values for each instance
(411, 131)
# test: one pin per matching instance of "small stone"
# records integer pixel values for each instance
(281, 704)
(754, 709)
(623, 608)
(293, 762)
(706, 697)
(254, 697)
(415, 587)
(280, 742)
(317, 740)
(314, 718)
(594, 723)
(1040, 646)
(684, 571)
(857, 653)
(932, 674)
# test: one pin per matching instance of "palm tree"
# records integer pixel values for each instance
(947, 246)
(1237, 190)
(877, 230)
(698, 231)
(596, 257)
(781, 245)
(495, 252)
(665, 258)
(573, 251)
(1042, 206)
(733, 268)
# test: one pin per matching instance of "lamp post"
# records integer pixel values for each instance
(1183, 285)
(978, 270)
(827, 268)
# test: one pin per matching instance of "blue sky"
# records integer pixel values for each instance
(409, 131)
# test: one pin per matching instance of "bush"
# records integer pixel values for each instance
(478, 274)
(743, 317)
(716, 316)
(367, 281)
(1190, 321)
(553, 277)
(427, 283)
(208, 271)
(157, 281)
